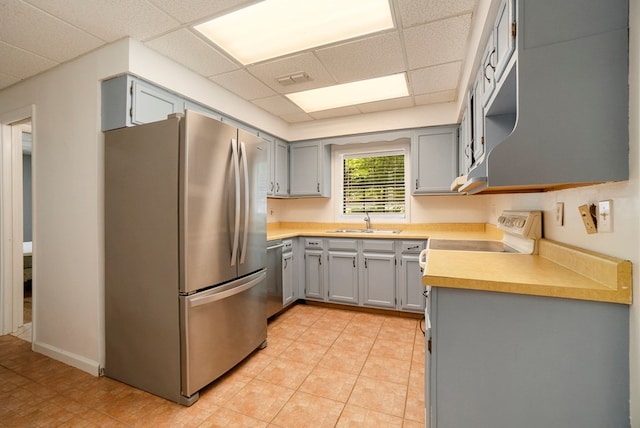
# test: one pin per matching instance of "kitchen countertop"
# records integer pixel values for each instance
(413, 231)
(559, 270)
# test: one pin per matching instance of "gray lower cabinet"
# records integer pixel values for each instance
(508, 360)
(342, 278)
(410, 276)
(288, 267)
(313, 268)
(379, 274)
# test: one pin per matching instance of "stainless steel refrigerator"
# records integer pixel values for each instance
(185, 253)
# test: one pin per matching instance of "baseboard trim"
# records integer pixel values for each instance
(73, 360)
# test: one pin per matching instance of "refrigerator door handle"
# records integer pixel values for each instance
(236, 229)
(243, 157)
(222, 292)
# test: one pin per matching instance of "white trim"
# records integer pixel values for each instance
(400, 145)
(74, 360)
(9, 251)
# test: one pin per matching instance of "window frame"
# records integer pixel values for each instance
(387, 148)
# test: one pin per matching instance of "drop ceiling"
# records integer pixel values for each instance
(429, 44)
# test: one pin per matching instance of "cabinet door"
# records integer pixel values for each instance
(288, 294)
(464, 144)
(410, 282)
(379, 280)
(477, 139)
(151, 104)
(343, 277)
(434, 153)
(505, 36)
(281, 168)
(487, 71)
(271, 164)
(313, 274)
(310, 169)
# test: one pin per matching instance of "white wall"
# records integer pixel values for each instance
(67, 191)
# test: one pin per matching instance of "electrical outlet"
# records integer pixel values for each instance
(605, 216)
(559, 213)
(587, 218)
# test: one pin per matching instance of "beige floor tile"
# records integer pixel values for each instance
(359, 417)
(330, 323)
(387, 369)
(308, 353)
(260, 400)
(354, 343)
(224, 388)
(407, 423)
(305, 410)
(393, 349)
(254, 364)
(379, 395)
(397, 332)
(275, 345)
(344, 361)
(286, 330)
(329, 383)
(228, 418)
(362, 329)
(283, 372)
(319, 336)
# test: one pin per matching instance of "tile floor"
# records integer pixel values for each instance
(323, 367)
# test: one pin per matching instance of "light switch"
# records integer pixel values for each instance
(605, 216)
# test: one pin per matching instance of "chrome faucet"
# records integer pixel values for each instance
(367, 220)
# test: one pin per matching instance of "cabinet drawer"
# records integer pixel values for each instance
(313, 243)
(378, 245)
(343, 244)
(411, 246)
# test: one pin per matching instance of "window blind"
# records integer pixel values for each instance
(373, 183)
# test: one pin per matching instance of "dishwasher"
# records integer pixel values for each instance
(274, 277)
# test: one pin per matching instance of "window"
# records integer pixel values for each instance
(374, 183)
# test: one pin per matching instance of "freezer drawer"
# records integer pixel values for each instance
(221, 326)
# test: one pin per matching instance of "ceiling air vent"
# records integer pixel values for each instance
(292, 79)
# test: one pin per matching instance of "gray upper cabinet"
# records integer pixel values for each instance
(559, 113)
(310, 172)
(278, 161)
(434, 159)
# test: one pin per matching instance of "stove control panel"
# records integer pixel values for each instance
(526, 224)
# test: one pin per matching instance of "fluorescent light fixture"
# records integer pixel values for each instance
(272, 28)
(362, 91)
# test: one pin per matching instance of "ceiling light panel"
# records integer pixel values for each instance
(273, 28)
(360, 92)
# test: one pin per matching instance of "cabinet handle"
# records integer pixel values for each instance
(318, 187)
(365, 264)
(416, 184)
(489, 64)
(285, 264)
(354, 262)
(272, 186)
(277, 187)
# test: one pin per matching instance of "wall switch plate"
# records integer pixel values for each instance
(605, 216)
(559, 213)
(587, 218)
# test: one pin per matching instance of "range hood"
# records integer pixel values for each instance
(560, 116)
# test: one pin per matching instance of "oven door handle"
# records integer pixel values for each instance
(422, 258)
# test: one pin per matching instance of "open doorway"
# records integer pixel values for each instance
(16, 251)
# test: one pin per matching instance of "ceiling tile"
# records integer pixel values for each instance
(403, 102)
(278, 105)
(23, 64)
(414, 12)
(436, 78)
(33, 30)
(111, 20)
(243, 84)
(335, 112)
(269, 71)
(437, 97)
(437, 42)
(362, 59)
(196, 10)
(186, 48)
(7, 80)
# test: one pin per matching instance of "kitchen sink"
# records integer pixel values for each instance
(374, 231)
(470, 245)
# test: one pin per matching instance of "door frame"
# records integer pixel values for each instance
(11, 227)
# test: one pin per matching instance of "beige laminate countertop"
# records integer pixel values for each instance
(558, 270)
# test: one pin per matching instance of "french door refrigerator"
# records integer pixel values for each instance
(185, 253)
